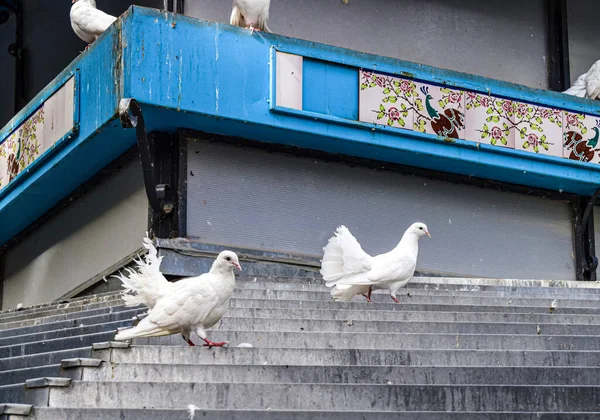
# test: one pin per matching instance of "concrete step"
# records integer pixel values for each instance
(93, 301)
(30, 322)
(374, 357)
(439, 289)
(42, 359)
(421, 299)
(73, 322)
(451, 327)
(361, 304)
(326, 396)
(55, 344)
(350, 340)
(406, 316)
(17, 376)
(81, 330)
(61, 311)
(343, 374)
(47, 413)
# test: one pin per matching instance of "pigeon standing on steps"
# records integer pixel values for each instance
(588, 84)
(351, 271)
(190, 305)
(251, 14)
(88, 22)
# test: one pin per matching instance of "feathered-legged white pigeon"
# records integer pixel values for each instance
(588, 84)
(190, 305)
(87, 21)
(351, 271)
(251, 14)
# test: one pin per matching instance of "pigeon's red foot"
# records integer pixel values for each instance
(187, 340)
(213, 344)
(253, 29)
(369, 294)
(395, 299)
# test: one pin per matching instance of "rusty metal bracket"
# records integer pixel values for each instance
(160, 196)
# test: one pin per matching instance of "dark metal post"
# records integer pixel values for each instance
(586, 261)
(558, 45)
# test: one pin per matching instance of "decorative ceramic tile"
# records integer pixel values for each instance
(288, 80)
(489, 120)
(3, 166)
(580, 137)
(386, 100)
(538, 129)
(439, 111)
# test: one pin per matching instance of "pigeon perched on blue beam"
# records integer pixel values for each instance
(251, 14)
(350, 271)
(190, 305)
(88, 22)
(588, 84)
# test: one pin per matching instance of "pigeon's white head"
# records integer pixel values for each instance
(90, 2)
(419, 229)
(227, 261)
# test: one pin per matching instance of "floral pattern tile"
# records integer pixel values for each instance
(439, 111)
(538, 129)
(580, 137)
(489, 120)
(22, 147)
(386, 100)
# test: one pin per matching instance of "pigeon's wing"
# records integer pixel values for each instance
(403, 268)
(92, 21)
(592, 81)
(235, 15)
(578, 88)
(189, 302)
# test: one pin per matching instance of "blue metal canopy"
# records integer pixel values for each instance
(220, 79)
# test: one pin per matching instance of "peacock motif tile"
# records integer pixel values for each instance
(439, 111)
(580, 137)
(386, 100)
(3, 167)
(488, 119)
(538, 129)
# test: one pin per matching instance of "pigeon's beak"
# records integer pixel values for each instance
(237, 265)
(427, 233)
(73, 1)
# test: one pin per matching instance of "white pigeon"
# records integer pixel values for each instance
(251, 14)
(588, 84)
(87, 21)
(190, 305)
(351, 271)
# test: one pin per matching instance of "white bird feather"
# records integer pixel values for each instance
(588, 84)
(190, 305)
(351, 271)
(87, 21)
(251, 14)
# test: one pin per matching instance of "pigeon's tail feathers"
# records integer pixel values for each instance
(143, 329)
(343, 257)
(345, 294)
(145, 284)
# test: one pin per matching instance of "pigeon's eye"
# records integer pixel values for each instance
(421, 228)
(228, 258)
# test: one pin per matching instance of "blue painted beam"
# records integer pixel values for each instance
(216, 78)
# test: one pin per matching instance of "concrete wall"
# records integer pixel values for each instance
(84, 239)
(584, 27)
(50, 45)
(504, 40)
(250, 198)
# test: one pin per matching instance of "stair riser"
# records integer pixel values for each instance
(43, 359)
(55, 345)
(343, 374)
(320, 357)
(326, 397)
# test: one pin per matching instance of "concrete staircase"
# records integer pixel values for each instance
(453, 349)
